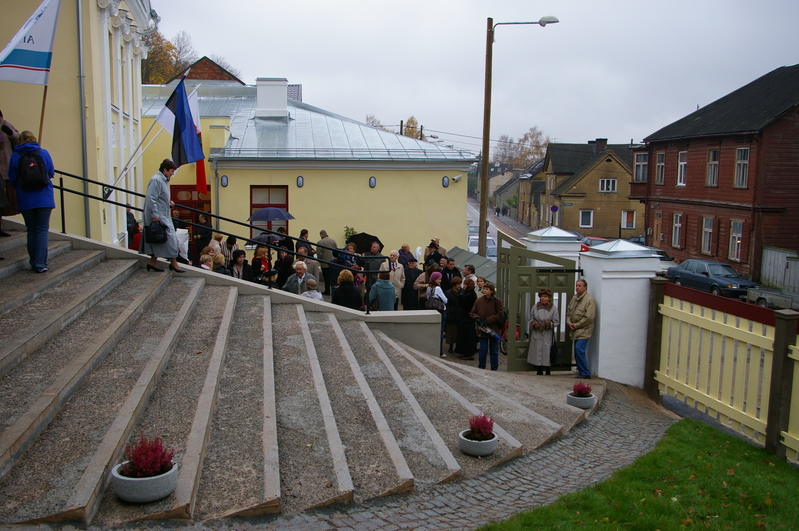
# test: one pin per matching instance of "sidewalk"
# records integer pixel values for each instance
(506, 224)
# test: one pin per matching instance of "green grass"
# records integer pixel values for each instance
(695, 478)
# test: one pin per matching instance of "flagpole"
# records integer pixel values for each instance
(41, 119)
(133, 153)
(127, 168)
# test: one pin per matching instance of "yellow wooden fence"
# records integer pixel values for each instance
(721, 363)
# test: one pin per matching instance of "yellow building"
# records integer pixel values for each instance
(589, 184)
(330, 172)
(92, 115)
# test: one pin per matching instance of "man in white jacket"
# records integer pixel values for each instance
(396, 274)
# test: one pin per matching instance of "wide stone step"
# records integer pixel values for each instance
(181, 406)
(428, 456)
(22, 286)
(16, 256)
(526, 425)
(62, 475)
(31, 394)
(28, 327)
(375, 460)
(313, 466)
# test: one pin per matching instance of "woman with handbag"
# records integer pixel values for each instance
(436, 300)
(488, 310)
(543, 319)
(157, 215)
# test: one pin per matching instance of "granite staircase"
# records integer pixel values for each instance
(272, 402)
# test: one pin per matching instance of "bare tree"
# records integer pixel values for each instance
(532, 146)
(506, 150)
(224, 63)
(184, 51)
(372, 121)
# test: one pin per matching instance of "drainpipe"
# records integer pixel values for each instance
(81, 88)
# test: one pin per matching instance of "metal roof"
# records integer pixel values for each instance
(310, 133)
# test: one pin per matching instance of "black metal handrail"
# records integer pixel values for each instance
(108, 189)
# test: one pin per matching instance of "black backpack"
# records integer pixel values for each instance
(31, 171)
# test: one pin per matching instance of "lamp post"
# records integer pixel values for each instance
(481, 247)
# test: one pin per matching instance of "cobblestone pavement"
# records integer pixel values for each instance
(622, 428)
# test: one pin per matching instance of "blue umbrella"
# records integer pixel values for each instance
(270, 214)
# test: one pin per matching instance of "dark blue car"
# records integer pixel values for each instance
(716, 277)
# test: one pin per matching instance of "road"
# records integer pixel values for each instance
(505, 224)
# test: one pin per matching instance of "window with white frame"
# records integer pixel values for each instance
(607, 185)
(676, 230)
(712, 168)
(628, 219)
(707, 235)
(641, 167)
(736, 236)
(741, 167)
(660, 168)
(586, 219)
(682, 167)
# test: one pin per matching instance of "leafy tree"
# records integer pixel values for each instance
(159, 67)
(412, 129)
(513, 202)
(532, 146)
(472, 181)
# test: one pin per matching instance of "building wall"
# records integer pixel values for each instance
(607, 207)
(111, 67)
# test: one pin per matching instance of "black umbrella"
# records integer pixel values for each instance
(363, 242)
(270, 214)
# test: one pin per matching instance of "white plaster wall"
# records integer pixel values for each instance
(568, 249)
(620, 286)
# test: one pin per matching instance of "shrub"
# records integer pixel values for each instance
(147, 458)
(581, 389)
(480, 428)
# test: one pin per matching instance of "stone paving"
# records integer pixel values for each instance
(622, 428)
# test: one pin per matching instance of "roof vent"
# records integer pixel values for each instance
(272, 93)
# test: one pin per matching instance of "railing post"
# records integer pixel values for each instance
(779, 400)
(653, 338)
(63, 214)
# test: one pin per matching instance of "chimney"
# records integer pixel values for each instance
(601, 144)
(272, 93)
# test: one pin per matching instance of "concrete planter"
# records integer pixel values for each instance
(583, 402)
(477, 448)
(143, 490)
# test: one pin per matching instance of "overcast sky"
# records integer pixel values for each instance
(610, 69)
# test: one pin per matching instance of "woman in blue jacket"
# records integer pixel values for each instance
(36, 205)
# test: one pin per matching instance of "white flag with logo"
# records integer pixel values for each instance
(27, 57)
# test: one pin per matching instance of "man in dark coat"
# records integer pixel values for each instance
(410, 298)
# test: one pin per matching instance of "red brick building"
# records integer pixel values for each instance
(723, 181)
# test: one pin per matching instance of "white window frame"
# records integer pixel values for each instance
(624, 224)
(641, 167)
(682, 168)
(676, 229)
(736, 239)
(590, 222)
(741, 168)
(607, 186)
(707, 235)
(660, 168)
(712, 168)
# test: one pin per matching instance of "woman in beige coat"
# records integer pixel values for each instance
(543, 319)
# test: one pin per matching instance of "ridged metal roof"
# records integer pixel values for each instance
(309, 133)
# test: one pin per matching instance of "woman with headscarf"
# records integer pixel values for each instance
(157, 205)
(543, 319)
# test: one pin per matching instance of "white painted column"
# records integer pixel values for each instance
(618, 274)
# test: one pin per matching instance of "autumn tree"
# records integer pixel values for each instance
(532, 146)
(159, 67)
(412, 129)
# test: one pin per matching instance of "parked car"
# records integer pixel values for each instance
(474, 230)
(491, 253)
(474, 242)
(716, 277)
(637, 239)
(666, 261)
(590, 241)
(773, 298)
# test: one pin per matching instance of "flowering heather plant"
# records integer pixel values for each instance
(581, 389)
(147, 458)
(480, 428)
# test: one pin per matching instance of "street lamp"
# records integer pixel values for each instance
(481, 247)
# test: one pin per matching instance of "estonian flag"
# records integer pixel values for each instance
(27, 57)
(176, 118)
